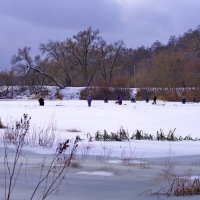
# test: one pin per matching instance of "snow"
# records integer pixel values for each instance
(134, 162)
(195, 177)
(71, 92)
(96, 173)
(64, 116)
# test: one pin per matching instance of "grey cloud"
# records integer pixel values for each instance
(155, 20)
(64, 13)
(31, 22)
(28, 23)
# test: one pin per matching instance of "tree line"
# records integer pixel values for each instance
(86, 59)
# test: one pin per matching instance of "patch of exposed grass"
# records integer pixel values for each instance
(73, 130)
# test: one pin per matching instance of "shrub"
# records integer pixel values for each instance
(171, 136)
(19, 132)
(121, 135)
(98, 136)
(140, 135)
(102, 93)
(44, 137)
(142, 94)
(193, 93)
(169, 94)
(46, 140)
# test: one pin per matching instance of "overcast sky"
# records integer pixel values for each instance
(136, 22)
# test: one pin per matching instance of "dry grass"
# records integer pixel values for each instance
(186, 186)
(180, 186)
(73, 130)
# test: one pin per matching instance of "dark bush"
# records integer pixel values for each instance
(193, 93)
(121, 135)
(169, 94)
(140, 135)
(142, 94)
(105, 93)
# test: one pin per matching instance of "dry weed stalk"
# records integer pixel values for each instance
(51, 174)
(13, 165)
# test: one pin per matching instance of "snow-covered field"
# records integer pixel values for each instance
(136, 166)
(68, 115)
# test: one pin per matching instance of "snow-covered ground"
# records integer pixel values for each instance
(136, 166)
(73, 117)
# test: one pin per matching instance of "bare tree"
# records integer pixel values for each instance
(84, 47)
(111, 54)
(167, 71)
(26, 64)
(65, 67)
